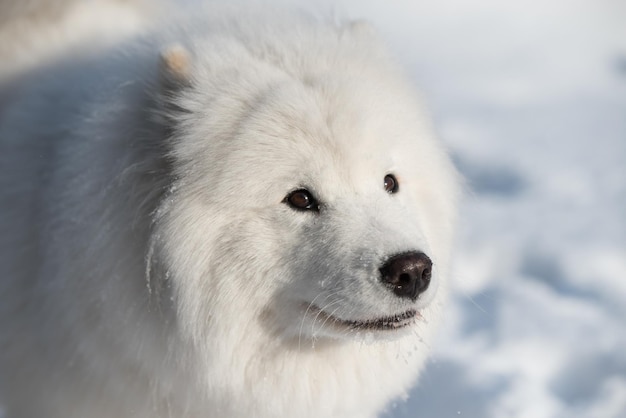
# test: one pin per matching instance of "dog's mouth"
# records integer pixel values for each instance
(386, 323)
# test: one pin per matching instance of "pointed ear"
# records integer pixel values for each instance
(174, 68)
(359, 28)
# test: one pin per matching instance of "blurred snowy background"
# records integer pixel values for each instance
(531, 99)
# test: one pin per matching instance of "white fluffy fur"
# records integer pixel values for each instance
(149, 267)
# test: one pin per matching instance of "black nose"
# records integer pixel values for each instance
(407, 274)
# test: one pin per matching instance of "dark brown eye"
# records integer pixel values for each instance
(302, 199)
(391, 184)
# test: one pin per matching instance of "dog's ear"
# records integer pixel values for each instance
(360, 28)
(174, 75)
(174, 69)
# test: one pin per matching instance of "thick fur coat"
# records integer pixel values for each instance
(157, 257)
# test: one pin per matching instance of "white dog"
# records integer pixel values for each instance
(237, 216)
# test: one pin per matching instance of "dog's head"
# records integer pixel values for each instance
(310, 198)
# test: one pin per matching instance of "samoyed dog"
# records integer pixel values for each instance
(223, 215)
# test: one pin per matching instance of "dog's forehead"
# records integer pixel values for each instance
(336, 149)
(351, 122)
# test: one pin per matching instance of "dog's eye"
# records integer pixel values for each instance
(302, 199)
(391, 184)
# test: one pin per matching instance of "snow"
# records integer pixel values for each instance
(530, 97)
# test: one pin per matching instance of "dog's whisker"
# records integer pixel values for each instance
(331, 315)
(311, 304)
(322, 310)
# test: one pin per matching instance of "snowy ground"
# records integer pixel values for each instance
(531, 98)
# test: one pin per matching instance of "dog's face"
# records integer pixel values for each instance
(316, 209)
